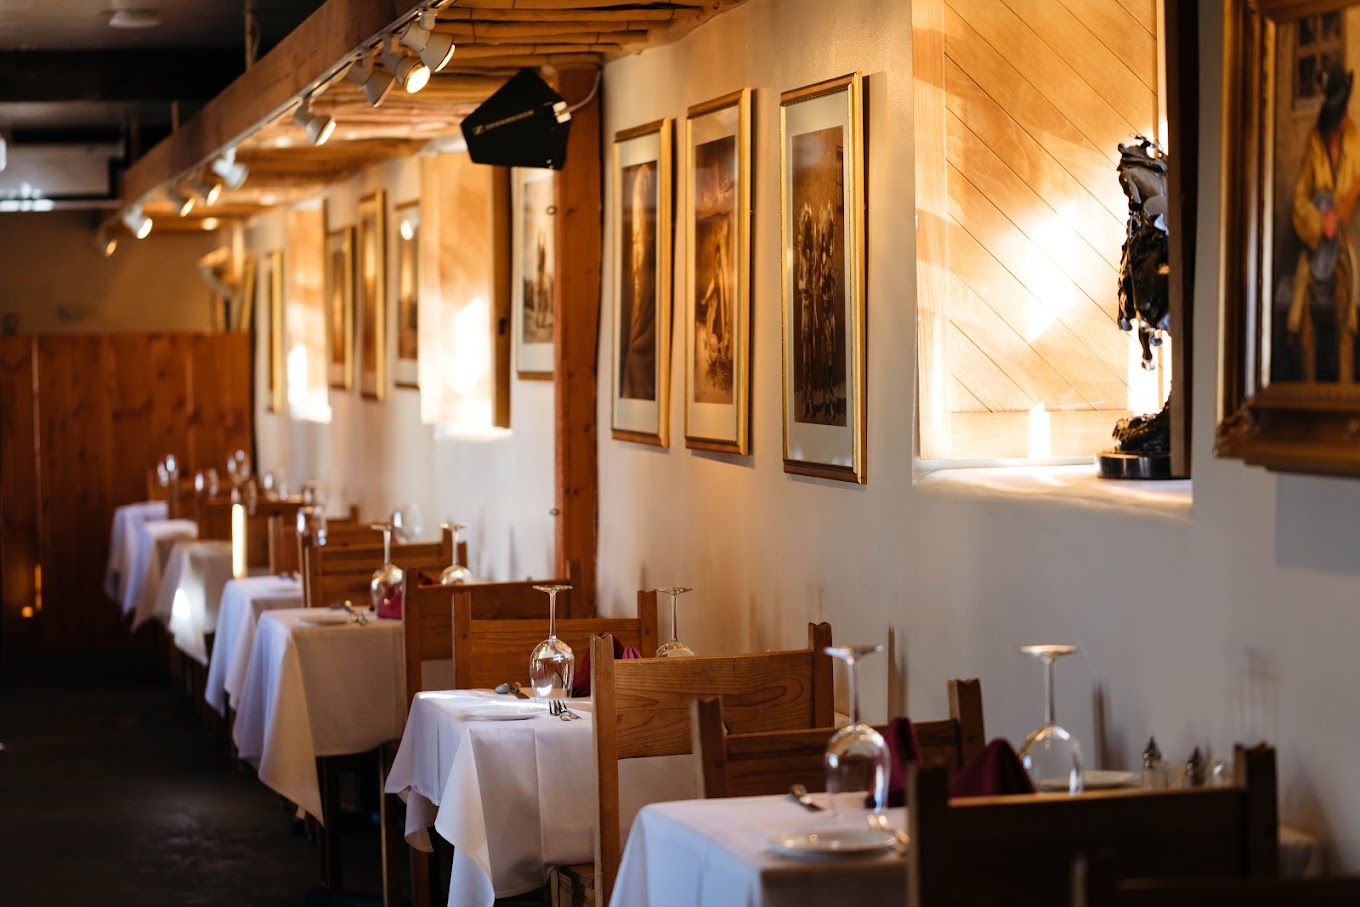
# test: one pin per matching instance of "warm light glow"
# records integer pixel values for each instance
(417, 78)
(465, 369)
(26, 613)
(179, 611)
(238, 540)
(1040, 433)
(209, 223)
(408, 229)
(37, 587)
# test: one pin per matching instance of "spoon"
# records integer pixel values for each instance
(800, 793)
(879, 822)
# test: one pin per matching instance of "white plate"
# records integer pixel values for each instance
(503, 712)
(326, 617)
(835, 842)
(1096, 780)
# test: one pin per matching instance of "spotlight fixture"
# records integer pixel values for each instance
(210, 190)
(317, 127)
(182, 201)
(524, 124)
(375, 82)
(105, 240)
(137, 222)
(436, 50)
(232, 173)
(411, 73)
(134, 18)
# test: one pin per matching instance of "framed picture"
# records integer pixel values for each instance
(340, 307)
(822, 211)
(642, 279)
(406, 368)
(535, 270)
(1290, 397)
(717, 312)
(275, 384)
(370, 295)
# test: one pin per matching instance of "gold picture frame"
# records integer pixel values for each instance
(535, 271)
(275, 382)
(340, 308)
(717, 308)
(642, 280)
(1290, 398)
(821, 195)
(370, 295)
(406, 365)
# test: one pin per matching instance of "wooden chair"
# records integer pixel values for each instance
(1019, 850)
(214, 519)
(642, 708)
(255, 530)
(285, 547)
(334, 573)
(767, 762)
(1108, 891)
(155, 491)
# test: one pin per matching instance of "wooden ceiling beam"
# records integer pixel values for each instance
(492, 34)
(629, 18)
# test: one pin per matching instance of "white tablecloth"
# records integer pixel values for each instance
(716, 853)
(152, 542)
(126, 519)
(243, 601)
(191, 592)
(512, 797)
(312, 691)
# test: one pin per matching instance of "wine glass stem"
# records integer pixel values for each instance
(675, 620)
(852, 674)
(387, 546)
(552, 614)
(1048, 690)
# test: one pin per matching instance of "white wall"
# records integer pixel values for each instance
(378, 454)
(1236, 623)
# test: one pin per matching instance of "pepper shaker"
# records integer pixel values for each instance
(1194, 770)
(1154, 772)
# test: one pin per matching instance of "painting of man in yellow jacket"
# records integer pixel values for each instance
(1322, 313)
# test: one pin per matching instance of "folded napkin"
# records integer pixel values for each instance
(424, 579)
(995, 770)
(390, 607)
(902, 751)
(580, 683)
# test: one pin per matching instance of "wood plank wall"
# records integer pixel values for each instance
(1037, 96)
(82, 419)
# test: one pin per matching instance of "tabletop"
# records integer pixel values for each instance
(243, 601)
(151, 545)
(513, 797)
(315, 690)
(717, 853)
(191, 592)
(126, 519)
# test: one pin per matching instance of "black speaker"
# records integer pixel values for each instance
(524, 124)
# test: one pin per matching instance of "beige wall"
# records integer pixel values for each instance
(379, 455)
(1234, 619)
(55, 280)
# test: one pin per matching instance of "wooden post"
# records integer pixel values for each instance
(576, 328)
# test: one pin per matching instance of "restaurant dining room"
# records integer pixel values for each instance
(445, 457)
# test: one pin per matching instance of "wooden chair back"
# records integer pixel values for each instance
(214, 518)
(767, 762)
(155, 491)
(255, 532)
(492, 650)
(642, 708)
(285, 547)
(1019, 850)
(181, 500)
(334, 573)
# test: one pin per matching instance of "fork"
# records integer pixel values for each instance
(559, 708)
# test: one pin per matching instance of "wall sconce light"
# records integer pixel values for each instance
(436, 50)
(317, 126)
(374, 81)
(232, 173)
(137, 222)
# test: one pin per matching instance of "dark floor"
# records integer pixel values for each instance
(113, 792)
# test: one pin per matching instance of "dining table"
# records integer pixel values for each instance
(152, 542)
(765, 851)
(126, 519)
(319, 683)
(243, 601)
(512, 788)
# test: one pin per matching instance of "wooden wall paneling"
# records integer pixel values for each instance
(169, 396)
(219, 411)
(982, 379)
(932, 245)
(133, 403)
(19, 635)
(1124, 33)
(576, 328)
(75, 479)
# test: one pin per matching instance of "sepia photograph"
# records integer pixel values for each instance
(535, 269)
(405, 370)
(717, 303)
(340, 306)
(371, 295)
(642, 184)
(822, 208)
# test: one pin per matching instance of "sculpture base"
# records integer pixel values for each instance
(1116, 464)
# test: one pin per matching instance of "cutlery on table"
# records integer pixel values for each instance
(879, 822)
(800, 793)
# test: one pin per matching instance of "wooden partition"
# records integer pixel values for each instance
(81, 419)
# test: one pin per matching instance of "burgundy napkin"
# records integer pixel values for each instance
(580, 683)
(424, 579)
(995, 770)
(390, 608)
(902, 751)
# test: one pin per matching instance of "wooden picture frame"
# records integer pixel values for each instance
(1290, 399)
(717, 308)
(534, 267)
(642, 281)
(339, 291)
(271, 274)
(406, 365)
(370, 295)
(821, 195)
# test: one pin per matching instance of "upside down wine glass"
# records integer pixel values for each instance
(455, 573)
(552, 664)
(1050, 754)
(386, 583)
(673, 648)
(856, 757)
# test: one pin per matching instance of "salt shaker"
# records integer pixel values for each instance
(1194, 770)
(1154, 772)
